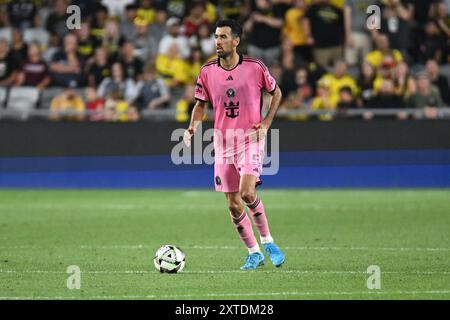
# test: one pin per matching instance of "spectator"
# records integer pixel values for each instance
(172, 68)
(146, 12)
(438, 80)
(295, 39)
(125, 87)
(404, 83)
(233, 9)
(99, 69)
(287, 80)
(340, 79)
(34, 72)
(386, 71)
(127, 27)
(264, 29)
(395, 23)
(442, 18)
(419, 9)
(146, 46)
(210, 11)
(433, 45)
(56, 22)
(86, 43)
(276, 71)
(86, 6)
(22, 13)
(324, 27)
(383, 51)
(366, 82)
(386, 97)
(427, 97)
(359, 43)
(204, 40)
(4, 19)
(186, 104)
(8, 65)
(18, 47)
(315, 73)
(133, 66)
(116, 8)
(67, 106)
(158, 28)
(194, 64)
(347, 102)
(324, 101)
(112, 40)
(153, 93)
(174, 36)
(67, 64)
(99, 24)
(118, 109)
(195, 18)
(176, 8)
(301, 96)
(95, 105)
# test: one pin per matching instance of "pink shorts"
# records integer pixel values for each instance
(228, 172)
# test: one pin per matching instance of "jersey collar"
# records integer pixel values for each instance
(241, 57)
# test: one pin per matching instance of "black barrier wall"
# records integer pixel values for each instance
(153, 138)
(349, 154)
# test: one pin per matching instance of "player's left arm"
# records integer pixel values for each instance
(273, 108)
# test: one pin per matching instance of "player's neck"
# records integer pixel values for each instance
(230, 62)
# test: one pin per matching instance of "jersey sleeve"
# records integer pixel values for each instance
(201, 92)
(268, 82)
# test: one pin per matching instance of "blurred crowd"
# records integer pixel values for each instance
(132, 56)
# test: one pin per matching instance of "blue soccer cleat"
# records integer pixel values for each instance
(275, 254)
(254, 260)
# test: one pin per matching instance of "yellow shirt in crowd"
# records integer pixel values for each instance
(329, 103)
(172, 69)
(336, 84)
(337, 3)
(376, 57)
(147, 16)
(293, 27)
(60, 104)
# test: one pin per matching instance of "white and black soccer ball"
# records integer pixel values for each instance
(169, 259)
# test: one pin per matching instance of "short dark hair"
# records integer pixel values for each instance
(346, 89)
(236, 29)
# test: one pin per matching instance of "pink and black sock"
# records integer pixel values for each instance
(245, 231)
(260, 220)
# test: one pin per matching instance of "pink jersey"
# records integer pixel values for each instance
(236, 94)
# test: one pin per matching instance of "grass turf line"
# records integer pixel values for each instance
(107, 232)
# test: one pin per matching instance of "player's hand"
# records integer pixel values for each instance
(188, 135)
(261, 129)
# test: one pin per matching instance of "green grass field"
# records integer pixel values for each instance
(330, 238)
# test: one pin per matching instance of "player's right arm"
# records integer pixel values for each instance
(197, 115)
(202, 97)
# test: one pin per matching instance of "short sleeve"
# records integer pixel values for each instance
(268, 82)
(201, 92)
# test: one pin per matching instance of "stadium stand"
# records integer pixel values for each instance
(21, 102)
(326, 69)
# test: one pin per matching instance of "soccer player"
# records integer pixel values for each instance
(233, 84)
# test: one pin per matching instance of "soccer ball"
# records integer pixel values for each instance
(169, 259)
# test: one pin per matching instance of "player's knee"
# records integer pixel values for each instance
(248, 196)
(235, 208)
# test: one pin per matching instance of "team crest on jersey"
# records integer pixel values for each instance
(230, 93)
